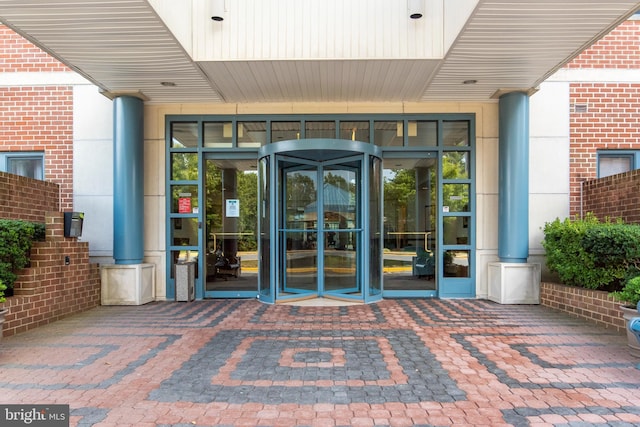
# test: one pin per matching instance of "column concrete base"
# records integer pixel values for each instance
(511, 283)
(132, 284)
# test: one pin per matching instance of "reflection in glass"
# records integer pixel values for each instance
(388, 134)
(456, 230)
(340, 269)
(252, 134)
(26, 166)
(301, 271)
(184, 232)
(320, 130)
(455, 133)
(456, 263)
(410, 198)
(231, 218)
(218, 135)
(184, 166)
(422, 133)
(265, 228)
(285, 131)
(184, 199)
(184, 135)
(339, 194)
(355, 131)
(455, 197)
(375, 224)
(455, 165)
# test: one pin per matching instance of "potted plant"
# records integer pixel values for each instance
(630, 297)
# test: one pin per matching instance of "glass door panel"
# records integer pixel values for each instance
(231, 267)
(410, 200)
(341, 228)
(299, 232)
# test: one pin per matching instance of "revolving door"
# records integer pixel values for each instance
(320, 221)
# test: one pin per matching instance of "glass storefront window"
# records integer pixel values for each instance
(355, 131)
(285, 131)
(455, 263)
(422, 133)
(184, 232)
(184, 166)
(388, 134)
(218, 135)
(184, 199)
(455, 230)
(455, 165)
(320, 130)
(455, 133)
(252, 134)
(455, 197)
(184, 135)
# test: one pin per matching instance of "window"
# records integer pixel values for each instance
(27, 164)
(611, 162)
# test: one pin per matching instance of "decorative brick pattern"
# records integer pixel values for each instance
(595, 306)
(244, 363)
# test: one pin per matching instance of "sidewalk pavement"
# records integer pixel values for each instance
(405, 362)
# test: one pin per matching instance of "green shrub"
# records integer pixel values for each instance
(3, 288)
(630, 293)
(16, 238)
(592, 254)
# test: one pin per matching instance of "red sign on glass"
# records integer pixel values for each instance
(184, 205)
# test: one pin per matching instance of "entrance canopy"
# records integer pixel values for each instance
(168, 51)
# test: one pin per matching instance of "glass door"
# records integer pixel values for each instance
(342, 230)
(230, 216)
(299, 232)
(410, 184)
(320, 231)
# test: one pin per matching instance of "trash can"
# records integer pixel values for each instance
(185, 281)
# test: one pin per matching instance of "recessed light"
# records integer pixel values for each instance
(469, 82)
(168, 84)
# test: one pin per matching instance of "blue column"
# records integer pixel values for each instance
(128, 180)
(513, 174)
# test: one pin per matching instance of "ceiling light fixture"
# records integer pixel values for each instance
(416, 8)
(168, 84)
(470, 82)
(217, 10)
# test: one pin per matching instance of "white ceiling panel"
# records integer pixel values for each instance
(124, 46)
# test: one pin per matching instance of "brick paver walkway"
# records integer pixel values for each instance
(406, 362)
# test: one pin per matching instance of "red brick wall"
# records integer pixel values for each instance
(616, 196)
(618, 49)
(612, 109)
(595, 306)
(37, 118)
(50, 288)
(27, 199)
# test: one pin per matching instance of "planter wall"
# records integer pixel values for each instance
(596, 306)
(60, 281)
